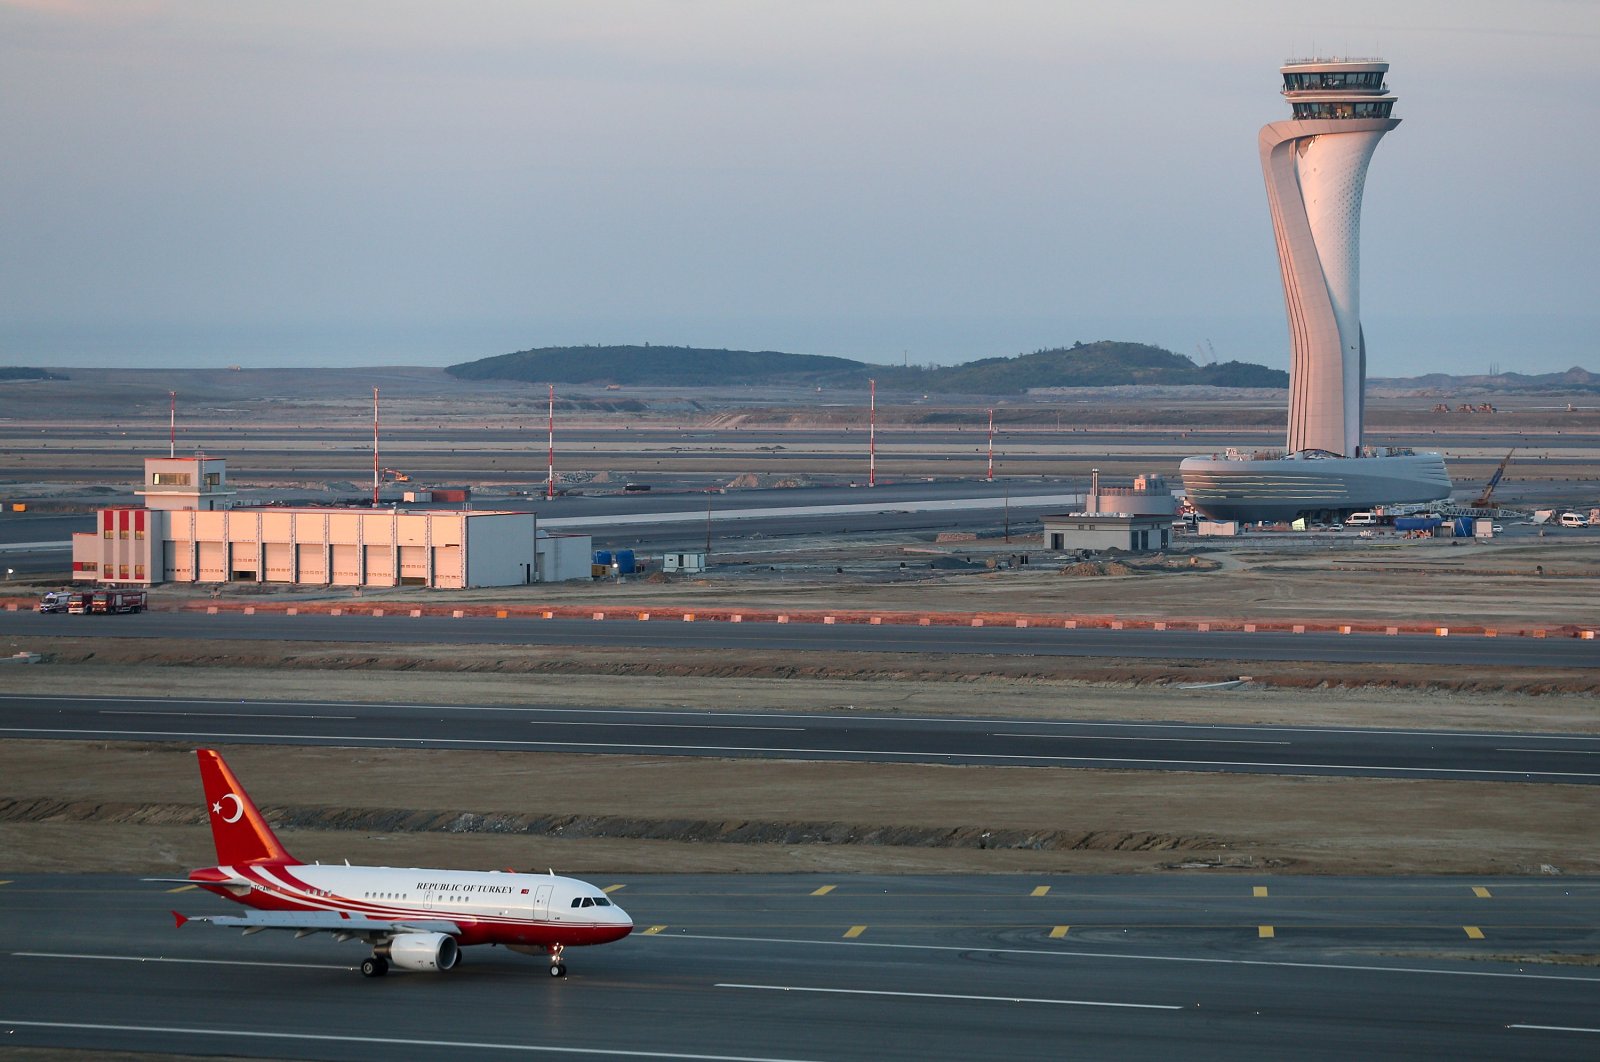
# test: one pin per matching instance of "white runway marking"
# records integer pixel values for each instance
(194, 962)
(230, 715)
(1555, 1028)
(667, 726)
(178, 1030)
(635, 746)
(1115, 737)
(1054, 953)
(1555, 752)
(945, 995)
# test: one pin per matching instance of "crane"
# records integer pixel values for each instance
(1494, 481)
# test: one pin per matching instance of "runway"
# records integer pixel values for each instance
(781, 968)
(774, 637)
(861, 738)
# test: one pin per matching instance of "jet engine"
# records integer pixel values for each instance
(424, 951)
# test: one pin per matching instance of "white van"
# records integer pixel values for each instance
(1361, 520)
(1573, 520)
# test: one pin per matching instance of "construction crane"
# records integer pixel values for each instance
(1494, 481)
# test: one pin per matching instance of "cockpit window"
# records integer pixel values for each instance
(601, 901)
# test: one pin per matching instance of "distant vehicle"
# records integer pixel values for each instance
(1335, 527)
(1361, 520)
(80, 604)
(1498, 529)
(1573, 520)
(120, 601)
(55, 601)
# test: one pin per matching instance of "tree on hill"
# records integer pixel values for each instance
(648, 366)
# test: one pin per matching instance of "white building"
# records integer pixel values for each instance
(448, 549)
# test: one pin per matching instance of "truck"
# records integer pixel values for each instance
(120, 601)
(81, 603)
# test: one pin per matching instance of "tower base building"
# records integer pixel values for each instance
(1315, 167)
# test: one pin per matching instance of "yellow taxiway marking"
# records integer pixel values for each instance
(653, 930)
(854, 931)
(1259, 890)
(613, 888)
(6, 882)
(1058, 932)
(1266, 932)
(1481, 893)
(180, 888)
(1040, 890)
(1473, 932)
(824, 890)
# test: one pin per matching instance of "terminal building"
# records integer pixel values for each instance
(187, 533)
(1315, 167)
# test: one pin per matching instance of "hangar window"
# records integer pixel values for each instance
(173, 479)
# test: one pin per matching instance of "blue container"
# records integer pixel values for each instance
(603, 556)
(625, 562)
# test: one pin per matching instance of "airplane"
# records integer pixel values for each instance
(415, 919)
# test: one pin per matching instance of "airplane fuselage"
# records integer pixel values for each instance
(528, 910)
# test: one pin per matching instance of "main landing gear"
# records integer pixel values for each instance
(557, 967)
(376, 966)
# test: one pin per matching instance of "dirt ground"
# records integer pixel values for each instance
(134, 808)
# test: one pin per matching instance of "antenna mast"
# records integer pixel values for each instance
(172, 424)
(872, 434)
(550, 465)
(990, 477)
(374, 447)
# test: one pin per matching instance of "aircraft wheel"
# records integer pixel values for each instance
(558, 969)
(374, 967)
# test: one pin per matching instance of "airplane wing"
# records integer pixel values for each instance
(340, 924)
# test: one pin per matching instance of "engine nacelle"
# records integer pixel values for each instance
(428, 952)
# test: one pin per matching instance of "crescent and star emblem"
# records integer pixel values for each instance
(238, 808)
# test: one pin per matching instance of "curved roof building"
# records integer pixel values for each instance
(1315, 166)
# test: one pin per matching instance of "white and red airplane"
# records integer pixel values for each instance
(414, 919)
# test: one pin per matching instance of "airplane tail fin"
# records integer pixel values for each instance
(237, 827)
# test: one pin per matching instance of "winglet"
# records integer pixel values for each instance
(179, 919)
(241, 833)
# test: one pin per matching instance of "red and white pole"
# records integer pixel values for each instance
(991, 447)
(374, 447)
(172, 424)
(550, 465)
(872, 433)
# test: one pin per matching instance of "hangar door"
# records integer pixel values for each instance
(213, 562)
(346, 565)
(280, 562)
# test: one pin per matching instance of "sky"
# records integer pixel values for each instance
(195, 183)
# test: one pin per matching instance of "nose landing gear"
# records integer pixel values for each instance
(557, 967)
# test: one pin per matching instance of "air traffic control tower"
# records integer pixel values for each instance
(1315, 166)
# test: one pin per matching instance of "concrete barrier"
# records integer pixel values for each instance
(1071, 625)
(416, 613)
(644, 616)
(501, 613)
(1391, 630)
(876, 621)
(597, 615)
(1490, 632)
(1344, 628)
(1538, 634)
(211, 610)
(331, 611)
(1202, 627)
(1116, 625)
(1587, 636)
(457, 614)
(291, 611)
(827, 619)
(1299, 628)
(688, 617)
(1160, 626)
(977, 622)
(924, 622)
(11, 606)
(249, 610)
(1022, 623)
(737, 617)
(1441, 632)
(377, 612)
(546, 614)
(782, 618)
(1249, 628)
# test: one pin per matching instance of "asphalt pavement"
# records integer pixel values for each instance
(781, 968)
(854, 737)
(185, 627)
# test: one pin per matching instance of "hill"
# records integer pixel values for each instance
(1106, 363)
(649, 366)
(20, 372)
